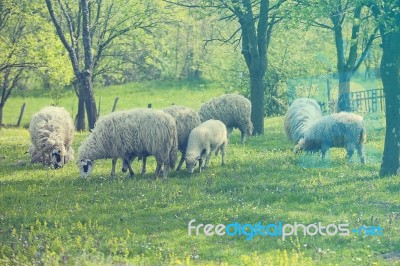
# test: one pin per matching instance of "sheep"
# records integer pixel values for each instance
(302, 114)
(135, 132)
(186, 119)
(51, 131)
(204, 139)
(337, 130)
(233, 110)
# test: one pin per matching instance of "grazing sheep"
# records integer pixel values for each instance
(337, 130)
(186, 119)
(135, 132)
(302, 114)
(204, 139)
(233, 110)
(51, 131)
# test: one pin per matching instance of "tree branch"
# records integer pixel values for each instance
(366, 49)
(61, 35)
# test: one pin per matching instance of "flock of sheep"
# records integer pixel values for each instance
(140, 132)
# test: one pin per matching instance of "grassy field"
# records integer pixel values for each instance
(55, 217)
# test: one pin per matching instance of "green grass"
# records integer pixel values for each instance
(55, 217)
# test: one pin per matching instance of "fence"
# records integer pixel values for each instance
(370, 101)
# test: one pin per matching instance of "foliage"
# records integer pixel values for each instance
(28, 47)
(354, 31)
(290, 59)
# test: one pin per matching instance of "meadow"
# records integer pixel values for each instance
(55, 217)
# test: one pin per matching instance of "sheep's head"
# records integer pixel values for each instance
(191, 162)
(85, 167)
(248, 132)
(57, 157)
(299, 147)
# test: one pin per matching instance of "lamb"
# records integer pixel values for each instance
(204, 139)
(337, 130)
(186, 119)
(302, 114)
(233, 110)
(52, 132)
(135, 132)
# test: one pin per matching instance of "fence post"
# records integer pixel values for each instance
(374, 100)
(115, 104)
(21, 114)
(149, 105)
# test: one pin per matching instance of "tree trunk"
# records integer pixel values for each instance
(257, 101)
(85, 80)
(80, 117)
(344, 92)
(390, 71)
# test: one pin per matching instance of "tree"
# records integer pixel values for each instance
(87, 30)
(387, 15)
(83, 72)
(341, 16)
(256, 20)
(24, 38)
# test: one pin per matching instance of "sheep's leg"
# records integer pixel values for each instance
(114, 162)
(244, 137)
(158, 169)
(350, 152)
(127, 164)
(223, 146)
(217, 150)
(181, 162)
(131, 173)
(361, 152)
(200, 165)
(144, 165)
(207, 160)
(324, 149)
(165, 170)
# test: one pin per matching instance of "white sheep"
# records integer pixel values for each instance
(342, 129)
(52, 132)
(139, 132)
(204, 139)
(233, 110)
(186, 119)
(301, 114)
